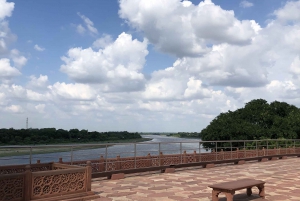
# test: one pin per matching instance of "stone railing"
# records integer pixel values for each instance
(118, 163)
(41, 181)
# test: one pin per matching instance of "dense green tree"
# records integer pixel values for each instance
(257, 120)
(51, 135)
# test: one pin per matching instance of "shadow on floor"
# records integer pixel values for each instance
(244, 197)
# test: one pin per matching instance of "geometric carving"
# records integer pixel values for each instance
(56, 184)
(11, 188)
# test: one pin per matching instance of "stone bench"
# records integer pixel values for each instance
(229, 188)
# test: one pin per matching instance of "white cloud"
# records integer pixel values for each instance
(6, 9)
(40, 108)
(184, 29)
(295, 67)
(14, 109)
(18, 59)
(88, 23)
(40, 82)
(80, 29)
(289, 13)
(72, 91)
(6, 71)
(6, 37)
(117, 67)
(246, 4)
(38, 48)
(102, 42)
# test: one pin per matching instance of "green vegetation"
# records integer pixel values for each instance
(52, 136)
(257, 120)
(185, 135)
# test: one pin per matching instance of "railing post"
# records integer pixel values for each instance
(101, 164)
(256, 149)
(159, 153)
(184, 157)
(135, 155)
(60, 160)
(30, 157)
(28, 183)
(106, 157)
(118, 163)
(200, 152)
(88, 176)
(244, 149)
(230, 150)
(149, 160)
(161, 159)
(72, 155)
(195, 156)
(216, 151)
(180, 152)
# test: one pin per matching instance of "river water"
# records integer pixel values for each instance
(164, 144)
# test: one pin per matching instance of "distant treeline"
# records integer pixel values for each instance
(52, 136)
(185, 135)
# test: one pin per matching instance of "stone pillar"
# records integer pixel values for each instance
(88, 176)
(184, 157)
(118, 163)
(161, 159)
(195, 156)
(149, 161)
(28, 186)
(101, 164)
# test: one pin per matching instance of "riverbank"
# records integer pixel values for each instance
(6, 151)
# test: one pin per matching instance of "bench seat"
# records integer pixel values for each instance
(230, 187)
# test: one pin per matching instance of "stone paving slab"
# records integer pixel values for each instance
(282, 179)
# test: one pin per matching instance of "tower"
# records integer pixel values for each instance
(27, 123)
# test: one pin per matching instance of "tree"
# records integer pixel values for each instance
(257, 120)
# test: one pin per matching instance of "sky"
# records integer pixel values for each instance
(143, 66)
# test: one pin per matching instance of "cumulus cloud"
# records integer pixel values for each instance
(6, 9)
(185, 29)
(38, 48)
(88, 23)
(246, 4)
(7, 72)
(40, 108)
(295, 67)
(72, 91)
(14, 109)
(103, 41)
(289, 12)
(117, 66)
(40, 82)
(18, 59)
(6, 37)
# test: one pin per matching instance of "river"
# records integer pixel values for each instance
(165, 144)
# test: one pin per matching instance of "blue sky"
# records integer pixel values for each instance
(143, 65)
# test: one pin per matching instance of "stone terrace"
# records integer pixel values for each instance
(282, 183)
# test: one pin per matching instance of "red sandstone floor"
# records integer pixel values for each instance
(282, 183)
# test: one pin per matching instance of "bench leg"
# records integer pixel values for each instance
(261, 189)
(215, 195)
(249, 191)
(229, 196)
